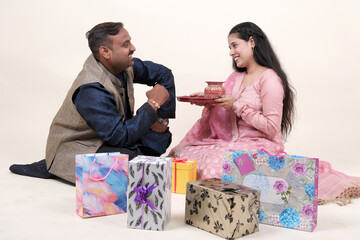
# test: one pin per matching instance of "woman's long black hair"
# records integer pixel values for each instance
(265, 56)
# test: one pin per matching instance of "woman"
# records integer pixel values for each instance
(256, 112)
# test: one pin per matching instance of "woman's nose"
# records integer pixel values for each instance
(231, 52)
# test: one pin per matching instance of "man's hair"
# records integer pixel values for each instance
(98, 36)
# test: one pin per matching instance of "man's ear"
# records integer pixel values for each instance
(105, 52)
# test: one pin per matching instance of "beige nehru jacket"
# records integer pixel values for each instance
(69, 133)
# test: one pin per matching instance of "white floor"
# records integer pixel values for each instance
(34, 208)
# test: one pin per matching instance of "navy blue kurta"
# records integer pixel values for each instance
(97, 106)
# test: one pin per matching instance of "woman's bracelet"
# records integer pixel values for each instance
(232, 106)
(155, 103)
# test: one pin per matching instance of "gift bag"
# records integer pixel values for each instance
(222, 208)
(149, 198)
(183, 171)
(288, 185)
(101, 184)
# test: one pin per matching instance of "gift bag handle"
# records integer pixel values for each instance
(277, 154)
(99, 179)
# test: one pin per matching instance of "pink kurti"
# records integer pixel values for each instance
(253, 123)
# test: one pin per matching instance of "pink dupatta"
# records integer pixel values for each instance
(336, 186)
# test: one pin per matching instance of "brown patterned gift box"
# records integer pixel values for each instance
(222, 208)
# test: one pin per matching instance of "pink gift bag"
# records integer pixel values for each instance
(101, 184)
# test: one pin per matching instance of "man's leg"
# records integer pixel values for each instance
(36, 169)
(39, 169)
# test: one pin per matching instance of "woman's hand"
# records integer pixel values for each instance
(197, 94)
(225, 101)
(200, 94)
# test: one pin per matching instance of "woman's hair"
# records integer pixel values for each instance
(98, 36)
(265, 56)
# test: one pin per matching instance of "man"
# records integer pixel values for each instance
(97, 113)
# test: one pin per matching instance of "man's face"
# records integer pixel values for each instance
(121, 51)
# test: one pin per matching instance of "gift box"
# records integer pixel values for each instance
(101, 184)
(149, 197)
(222, 208)
(287, 183)
(183, 171)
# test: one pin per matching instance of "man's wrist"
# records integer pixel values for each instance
(154, 104)
(163, 122)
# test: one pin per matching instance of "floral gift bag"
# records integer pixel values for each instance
(101, 184)
(288, 185)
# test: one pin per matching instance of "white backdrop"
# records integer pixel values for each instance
(43, 48)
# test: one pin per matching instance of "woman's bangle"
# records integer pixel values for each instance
(233, 104)
(155, 103)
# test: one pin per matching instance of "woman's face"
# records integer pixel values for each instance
(241, 51)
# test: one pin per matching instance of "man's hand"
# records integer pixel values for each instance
(159, 127)
(157, 94)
